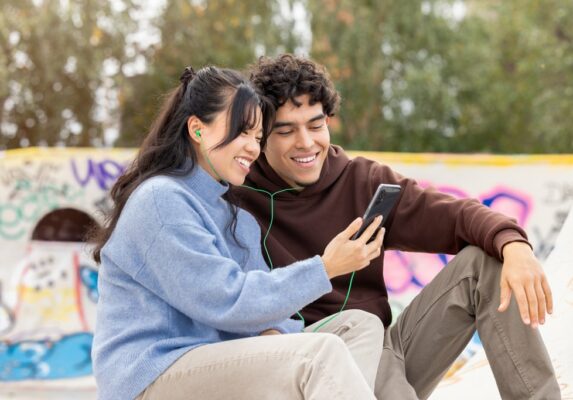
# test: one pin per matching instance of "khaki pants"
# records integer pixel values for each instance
(339, 362)
(434, 329)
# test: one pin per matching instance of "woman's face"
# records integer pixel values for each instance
(231, 162)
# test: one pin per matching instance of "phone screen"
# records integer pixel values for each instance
(382, 203)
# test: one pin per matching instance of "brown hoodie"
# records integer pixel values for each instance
(424, 220)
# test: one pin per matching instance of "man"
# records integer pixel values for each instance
(316, 191)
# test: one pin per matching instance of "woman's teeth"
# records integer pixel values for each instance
(244, 162)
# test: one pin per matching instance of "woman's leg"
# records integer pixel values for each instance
(295, 366)
(363, 334)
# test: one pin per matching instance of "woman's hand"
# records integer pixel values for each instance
(270, 332)
(344, 255)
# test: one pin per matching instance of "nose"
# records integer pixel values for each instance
(253, 147)
(304, 139)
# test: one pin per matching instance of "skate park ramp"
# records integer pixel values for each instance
(48, 282)
(475, 379)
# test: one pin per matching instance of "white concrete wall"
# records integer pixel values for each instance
(48, 292)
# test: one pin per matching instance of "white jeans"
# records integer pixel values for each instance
(338, 362)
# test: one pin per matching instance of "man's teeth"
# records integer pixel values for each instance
(305, 159)
(243, 162)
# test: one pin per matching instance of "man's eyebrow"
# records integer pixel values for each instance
(279, 124)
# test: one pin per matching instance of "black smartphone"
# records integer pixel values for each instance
(382, 203)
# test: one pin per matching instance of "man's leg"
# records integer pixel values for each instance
(434, 329)
(363, 334)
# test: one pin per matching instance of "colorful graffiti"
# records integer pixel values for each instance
(48, 291)
(68, 357)
(104, 173)
(412, 271)
(47, 325)
(29, 201)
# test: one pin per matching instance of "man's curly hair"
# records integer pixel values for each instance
(287, 76)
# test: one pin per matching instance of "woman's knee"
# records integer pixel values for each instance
(324, 344)
(367, 320)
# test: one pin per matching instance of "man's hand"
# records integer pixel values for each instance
(270, 332)
(523, 276)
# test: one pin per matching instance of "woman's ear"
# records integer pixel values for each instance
(194, 126)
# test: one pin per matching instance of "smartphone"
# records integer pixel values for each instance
(382, 203)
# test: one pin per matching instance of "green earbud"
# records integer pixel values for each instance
(198, 133)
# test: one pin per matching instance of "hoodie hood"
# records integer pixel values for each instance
(262, 175)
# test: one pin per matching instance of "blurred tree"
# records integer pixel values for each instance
(421, 75)
(52, 75)
(227, 33)
(449, 75)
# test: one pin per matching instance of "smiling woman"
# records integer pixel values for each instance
(183, 285)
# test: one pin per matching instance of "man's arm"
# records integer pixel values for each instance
(426, 220)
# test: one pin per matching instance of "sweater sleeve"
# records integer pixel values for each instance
(184, 267)
(427, 220)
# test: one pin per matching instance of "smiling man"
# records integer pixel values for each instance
(301, 142)
(309, 190)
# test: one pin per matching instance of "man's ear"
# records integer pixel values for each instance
(327, 120)
(194, 124)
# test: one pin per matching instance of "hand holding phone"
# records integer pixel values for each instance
(382, 204)
(344, 255)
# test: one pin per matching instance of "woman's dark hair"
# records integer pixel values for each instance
(287, 77)
(167, 146)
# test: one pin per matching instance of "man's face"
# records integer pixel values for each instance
(299, 142)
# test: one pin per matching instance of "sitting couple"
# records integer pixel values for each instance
(237, 176)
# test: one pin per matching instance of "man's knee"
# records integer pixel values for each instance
(471, 253)
(478, 263)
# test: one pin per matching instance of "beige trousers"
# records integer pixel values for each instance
(339, 362)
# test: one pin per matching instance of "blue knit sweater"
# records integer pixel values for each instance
(173, 278)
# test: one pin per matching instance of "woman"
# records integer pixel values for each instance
(187, 307)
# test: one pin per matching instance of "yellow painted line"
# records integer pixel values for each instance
(466, 159)
(385, 157)
(57, 152)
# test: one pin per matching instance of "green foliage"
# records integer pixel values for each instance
(227, 33)
(413, 75)
(51, 63)
(415, 79)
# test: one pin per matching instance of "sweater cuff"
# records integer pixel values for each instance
(290, 326)
(507, 236)
(322, 275)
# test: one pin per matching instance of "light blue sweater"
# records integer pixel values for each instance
(173, 278)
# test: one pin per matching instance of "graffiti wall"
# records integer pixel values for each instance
(48, 283)
(535, 190)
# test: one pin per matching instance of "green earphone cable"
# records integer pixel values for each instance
(198, 134)
(341, 308)
(272, 196)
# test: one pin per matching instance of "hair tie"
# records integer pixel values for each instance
(187, 75)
